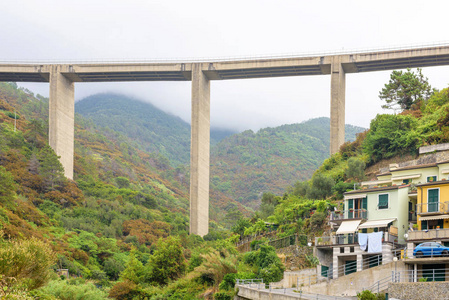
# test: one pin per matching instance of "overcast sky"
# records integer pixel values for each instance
(115, 30)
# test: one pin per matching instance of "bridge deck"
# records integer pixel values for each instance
(239, 69)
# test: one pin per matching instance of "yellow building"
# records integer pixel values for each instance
(433, 205)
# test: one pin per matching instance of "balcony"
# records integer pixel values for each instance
(337, 240)
(432, 208)
(352, 214)
(353, 238)
(431, 234)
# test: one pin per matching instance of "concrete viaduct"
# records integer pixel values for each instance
(63, 76)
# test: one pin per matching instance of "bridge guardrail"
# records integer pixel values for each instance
(232, 58)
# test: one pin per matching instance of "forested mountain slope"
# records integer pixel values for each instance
(243, 165)
(247, 164)
(147, 127)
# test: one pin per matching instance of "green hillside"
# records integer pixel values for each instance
(243, 165)
(247, 164)
(121, 227)
(148, 128)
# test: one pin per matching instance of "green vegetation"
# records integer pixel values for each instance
(24, 265)
(121, 227)
(245, 164)
(368, 295)
(406, 90)
(147, 127)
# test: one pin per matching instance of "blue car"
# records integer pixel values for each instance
(430, 249)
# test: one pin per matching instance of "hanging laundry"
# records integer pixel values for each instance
(363, 241)
(375, 242)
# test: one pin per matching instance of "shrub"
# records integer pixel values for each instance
(125, 290)
(27, 261)
(368, 295)
(391, 135)
(321, 186)
(7, 185)
(167, 262)
(70, 290)
(224, 296)
(342, 187)
(113, 267)
(269, 266)
(194, 262)
(122, 182)
(301, 188)
(356, 169)
(214, 268)
(317, 219)
(228, 282)
(254, 245)
(13, 115)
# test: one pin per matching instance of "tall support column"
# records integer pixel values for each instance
(338, 87)
(199, 153)
(62, 119)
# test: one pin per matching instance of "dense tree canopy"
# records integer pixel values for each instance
(405, 90)
(391, 135)
(168, 261)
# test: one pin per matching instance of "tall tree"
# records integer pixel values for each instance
(405, 90)
(50, 168)
(168, 261)
(7, 185)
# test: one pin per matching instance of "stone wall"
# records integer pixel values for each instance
(434, 148)
(294, 257)
(419, 290)
(423, 159)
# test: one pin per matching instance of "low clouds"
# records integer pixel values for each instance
(50, 30)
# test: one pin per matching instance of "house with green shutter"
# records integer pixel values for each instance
(388, 203)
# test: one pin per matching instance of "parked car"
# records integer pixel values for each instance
(430, 249)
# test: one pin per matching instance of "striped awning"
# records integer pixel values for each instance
(439, 217)
(376, 223)
(406, 177)
(348, 227)
(355, 196)
(375, 182)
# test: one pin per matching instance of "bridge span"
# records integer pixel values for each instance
(62, 77)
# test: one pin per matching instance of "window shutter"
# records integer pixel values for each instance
(383, 201)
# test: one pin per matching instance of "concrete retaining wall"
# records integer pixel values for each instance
(248, 293)
(419, 290)
(351, 284)
(290, 278)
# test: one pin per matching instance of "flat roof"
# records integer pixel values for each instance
(427, 261)
(434, 183)
(385, 188)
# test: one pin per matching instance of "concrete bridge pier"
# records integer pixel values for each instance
(338, 86)
(199, 152)
(62, 118)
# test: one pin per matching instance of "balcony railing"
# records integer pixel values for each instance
(349, 214)
(430, 234)
(337, 240)
(429, 208)
(352, 238)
